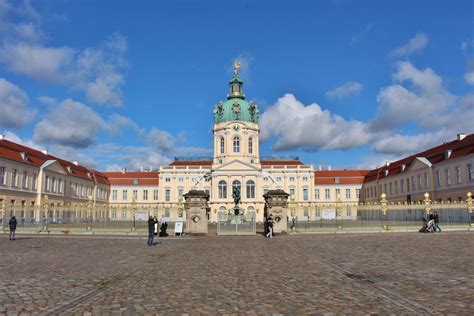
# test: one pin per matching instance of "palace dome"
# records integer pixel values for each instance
(236, 108)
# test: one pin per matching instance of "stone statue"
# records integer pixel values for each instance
(236, 195)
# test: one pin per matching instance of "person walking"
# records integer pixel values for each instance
(12, 225)
(270, 226)
(436, 222)
(151, 231)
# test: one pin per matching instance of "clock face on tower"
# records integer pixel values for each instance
(236, 128)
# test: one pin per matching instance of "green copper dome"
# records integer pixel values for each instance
(235, 108)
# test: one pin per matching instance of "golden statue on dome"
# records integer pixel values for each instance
(236, 66)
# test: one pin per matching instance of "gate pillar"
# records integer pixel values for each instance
(276, 203)
(196, 206)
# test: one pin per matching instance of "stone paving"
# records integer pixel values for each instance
(296, 274)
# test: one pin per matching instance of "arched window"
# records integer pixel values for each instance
(236, 185)
(222, 145)
(236, 144)
(250, 145)
(250, 214)
(222, 189)
(250, 189)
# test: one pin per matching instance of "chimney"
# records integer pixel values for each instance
(150, 169)
(387, 164)
(461, 136)
(44, 151)
(141, 169)
(124, 170)
(329, 168)
(447, 154)
(320, 168)
(76, 163)
(2, 136)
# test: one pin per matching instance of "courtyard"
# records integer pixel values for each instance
(289, 274)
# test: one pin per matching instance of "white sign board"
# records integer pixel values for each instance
(178, 228)
(141, 216)
(329, 214)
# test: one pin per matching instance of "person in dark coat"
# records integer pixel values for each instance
(436, 222)
(151, 231)
(12, 224)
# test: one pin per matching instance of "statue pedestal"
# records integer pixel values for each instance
(196, 212)
(276, 204)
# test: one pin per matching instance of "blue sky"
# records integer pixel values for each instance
(350, 84)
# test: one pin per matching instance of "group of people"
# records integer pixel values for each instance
(269, 226)
(432, 225)
(153, 228)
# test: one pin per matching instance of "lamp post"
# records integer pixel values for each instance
(427, 203)
(2, 211)
(134, 211)
(338, 209)
(383, 203)
(469, 207)
(293, 212)
(45, 212)
(180, 206)
(90, 205)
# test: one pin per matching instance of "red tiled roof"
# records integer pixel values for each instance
(12, 151)
(459, 148)
(128, 178)
(341, 173)
(132, 175)
(341, 180)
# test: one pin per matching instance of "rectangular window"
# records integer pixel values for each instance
(155, 195)
(180, 179)
(292, 192)
(348, 212)
(48, 184)
(55, 185)
(292, 178)
(125, 195)
(316, 194)
(278, 179)
(470, 175)
(318, 213)
(167, 195)
(180, 192)
(305, 178)
(348, 193)
(33, 183)
(419, 182)
(124, 213)
(60, 185)
(401, 186)
(413, 183)
(448, 176)
(438, 179)
(114, 213)
(167, 212)
(3, 175)
(357, 193)
(327, 194)
(305, 194)
(427, 181)
(135, 194)
(145, 195)
(408, 185)
(25, 180)
(15, 178)
(305, 212)
(385, 188)
(167, 179)
(390, 188)
(338, 193)
(114, 195)
(396, 187)
(458, 175)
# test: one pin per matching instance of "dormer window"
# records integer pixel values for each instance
(69, 169)
(385, 172)
(135, 181)
(24, 156)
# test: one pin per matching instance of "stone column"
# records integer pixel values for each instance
(196, 206)
(276, 203)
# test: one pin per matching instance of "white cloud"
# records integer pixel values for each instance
(160, 140)
(14, 112)
(398, 104)
(348, 89)
(97, 71)
(69, 124)
(415, 45)
(469, 76)
(310, 127)
(410, 144)
(117, 124)
(47, 100)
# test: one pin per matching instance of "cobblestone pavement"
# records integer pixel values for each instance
(296, 274)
